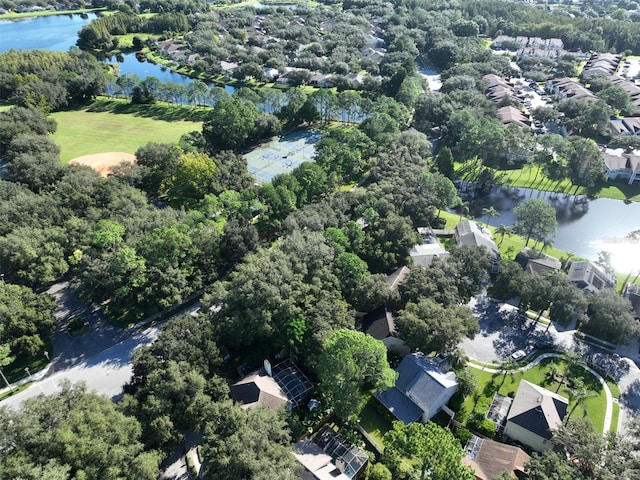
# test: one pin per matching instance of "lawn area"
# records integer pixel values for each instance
(46, 13)
(533, 177)
(84, 132)
(374, 422)
(592, 408)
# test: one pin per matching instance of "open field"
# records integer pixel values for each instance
(85, 132)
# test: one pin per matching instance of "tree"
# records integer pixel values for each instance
(230, 124)
(26, 321)
(535, 219)
(551, 466)
(444, 162)
(194, 177)
(610, 317)
(490, 213)
(77, 431)
(351, 364)
(429, 327)
(437, 453)
(616, 97)
(578, 393)
(586, 163)
(251, 444)
(509, 282)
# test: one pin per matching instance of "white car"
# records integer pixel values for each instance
(518, 354)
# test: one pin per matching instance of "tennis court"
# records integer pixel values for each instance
(282, 154)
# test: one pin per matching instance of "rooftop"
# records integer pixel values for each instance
(538, 410)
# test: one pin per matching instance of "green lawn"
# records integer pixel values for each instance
(84, 132)
(592, 408)
(374, 422)
(46, 13)
(533, 177)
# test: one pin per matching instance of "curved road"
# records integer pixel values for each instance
(608, 415)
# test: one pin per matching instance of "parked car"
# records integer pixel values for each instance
(544, 343)
(518, 355)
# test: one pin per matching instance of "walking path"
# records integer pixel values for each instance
(608, 415)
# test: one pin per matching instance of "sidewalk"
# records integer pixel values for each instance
(31, 378)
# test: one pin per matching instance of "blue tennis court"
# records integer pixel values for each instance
(282, 154)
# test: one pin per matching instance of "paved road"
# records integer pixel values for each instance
(104, 373)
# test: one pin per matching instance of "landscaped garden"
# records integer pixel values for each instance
(554, 374)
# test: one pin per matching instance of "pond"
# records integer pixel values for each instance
(585, 226)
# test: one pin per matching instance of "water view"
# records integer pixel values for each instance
(585, 226)
(55, 32)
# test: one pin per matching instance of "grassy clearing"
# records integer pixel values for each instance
(118, 128)
(47, 13)
(489, 384)
(533, 177)
(373, 422)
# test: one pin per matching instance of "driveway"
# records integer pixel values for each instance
(68, 350)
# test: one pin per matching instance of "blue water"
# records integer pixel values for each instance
(55, 32)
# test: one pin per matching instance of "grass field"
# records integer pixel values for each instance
(532, 177)
(46, 13)
(84, 132)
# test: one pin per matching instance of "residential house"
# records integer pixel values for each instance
(228, 67)
(272, 387)
(625, 126)
(423, 254)
(602, 63)
(381, 325)
(488, 459)
(329, 456)
(622, 164)
(510, 115)
(564, 88)
(396, 278)
(590, 277)
(422, 389)
(322, 80)
(537, 263)
(534, 415)
(628, 86)
(632, 293)
(470, 233)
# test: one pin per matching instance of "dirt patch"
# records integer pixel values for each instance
(102, 162)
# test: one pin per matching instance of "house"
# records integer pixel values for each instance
(621, 164)
(396, 278)
(488, 458)
(321, 80)
(537, 263)
(534, 415)
(423, 254)
(328, 456)
(510, 115)
(470, 233)
(589, 277)
(602, 64)
(272, 387)
(381, 325)
(632, 293)
(421, 390)
(625, 126)
(564, 88)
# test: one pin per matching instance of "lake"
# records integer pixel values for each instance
(60, 32)
(585, 226)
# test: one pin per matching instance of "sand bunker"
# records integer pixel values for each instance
(102, 162)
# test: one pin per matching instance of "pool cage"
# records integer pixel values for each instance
(348, 459)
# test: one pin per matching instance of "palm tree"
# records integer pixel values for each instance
(503, 230)
(554, 372)
(578, 393)
(547, 243)
(458, 359)
(490, 213)
(464, 209)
